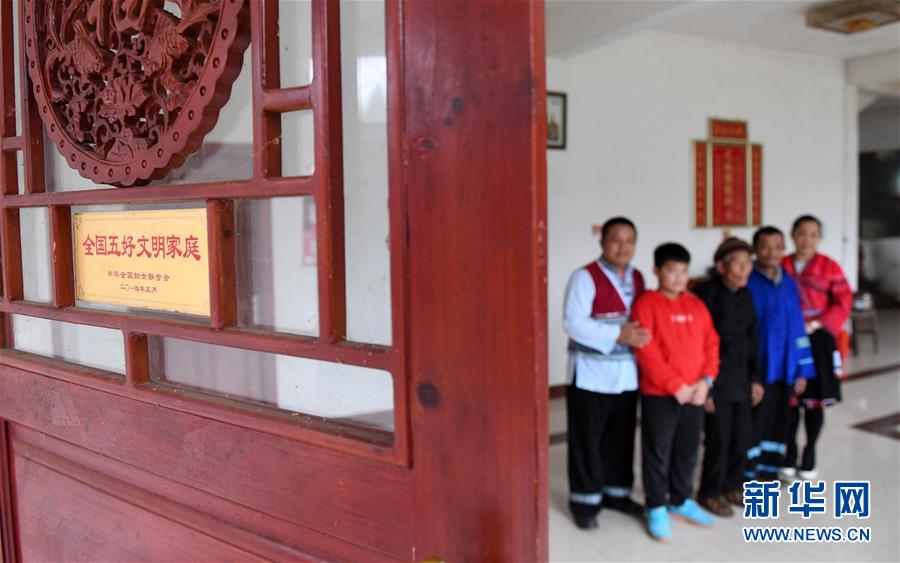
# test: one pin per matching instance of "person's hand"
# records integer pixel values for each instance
(799, 386)
(684, 394)
(710, 405)
(633, 335)
(756, 393)
(700, 393)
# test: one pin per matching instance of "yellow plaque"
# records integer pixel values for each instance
(150, 259)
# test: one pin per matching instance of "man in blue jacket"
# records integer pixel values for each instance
(786, 361)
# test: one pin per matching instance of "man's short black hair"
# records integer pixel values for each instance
(610, 223)
(764, 232)
(670, 251)
(803, 219)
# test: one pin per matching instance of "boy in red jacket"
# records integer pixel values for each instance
(677, 369)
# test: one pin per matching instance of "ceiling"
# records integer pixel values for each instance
(574, 26)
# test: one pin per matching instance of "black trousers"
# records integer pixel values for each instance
(771, 420)
(670, 436)
(814, 420)
(728, 435)
(820, 392)
(601, 446)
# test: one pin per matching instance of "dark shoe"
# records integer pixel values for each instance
(717, 505)
(586, 522)
(808, 462)
(623, 504)
(735, 497)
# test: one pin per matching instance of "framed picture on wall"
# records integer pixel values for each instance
(556, 120)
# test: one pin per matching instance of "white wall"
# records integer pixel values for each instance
(634, 107)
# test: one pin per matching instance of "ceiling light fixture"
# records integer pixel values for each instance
(853, 16)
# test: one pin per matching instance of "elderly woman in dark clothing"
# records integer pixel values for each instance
(729, 425)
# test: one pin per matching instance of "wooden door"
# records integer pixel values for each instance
(98, 465)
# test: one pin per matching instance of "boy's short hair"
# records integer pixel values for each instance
(612, 222)
(803, 219)
(670, 251)
(768, 230)
(729, 245)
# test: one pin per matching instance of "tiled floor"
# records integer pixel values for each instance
(845, 452)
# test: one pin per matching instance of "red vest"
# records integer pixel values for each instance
(606, 299)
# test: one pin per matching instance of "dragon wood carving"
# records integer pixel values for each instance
(128, 88)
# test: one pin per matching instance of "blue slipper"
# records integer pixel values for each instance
(658, 524)
(690, 512)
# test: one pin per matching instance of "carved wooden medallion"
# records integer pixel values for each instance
(128, 88)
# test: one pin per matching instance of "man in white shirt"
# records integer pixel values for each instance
(601, 397)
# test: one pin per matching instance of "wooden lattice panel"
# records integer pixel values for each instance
(127, 89)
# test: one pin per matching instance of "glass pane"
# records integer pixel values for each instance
(295, 37)
(20, 171)
(59, 176)
(360, 395)
(35, 231)
(364, 77)
(17, 64)
(227, 150)
(277, 280)
(91, 346)
(19, 156)
(298, 157)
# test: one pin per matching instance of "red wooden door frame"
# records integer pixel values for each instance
(467, 476)
(475, 179)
